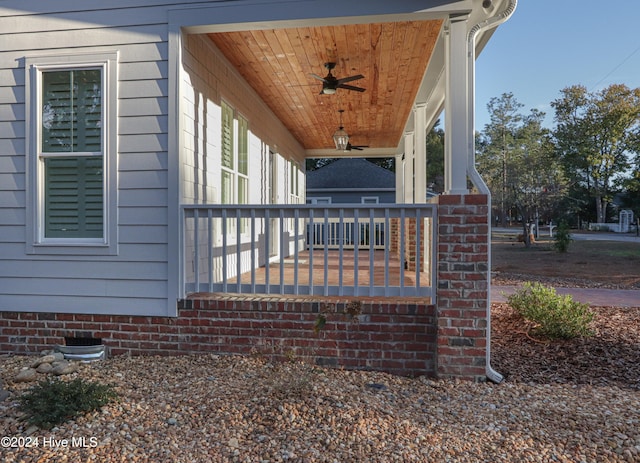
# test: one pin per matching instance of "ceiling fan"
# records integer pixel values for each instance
(330, 84)
(355, 147)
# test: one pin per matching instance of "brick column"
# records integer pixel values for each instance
(463, 257)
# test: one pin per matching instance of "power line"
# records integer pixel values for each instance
(617, 67)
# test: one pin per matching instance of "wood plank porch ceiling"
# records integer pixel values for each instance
(392, 56)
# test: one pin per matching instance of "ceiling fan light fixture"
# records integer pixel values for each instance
(328, 91)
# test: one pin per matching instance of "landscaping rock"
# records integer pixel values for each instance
(3, 392)
(44, 368)
(49, 363)
(26, 376)
(44, 359)
(63, 368)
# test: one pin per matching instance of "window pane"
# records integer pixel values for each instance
(227, 187)
(227, 136)
(243, 145)
(243, 198)
(243, 190)
(74, 197)
(72, 111)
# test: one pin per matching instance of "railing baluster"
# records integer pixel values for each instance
(196, 237)
(224, 251)
(356, 246)
(326, 252)
(387, 245)
(311, 243)
(341, 252)
(296, 233)
(372, 267)
(434, 253)
(403, 258)
(210, 247)
(418, 247)
(283, 253)
(238, 251)
(267, 249)
(253, 251)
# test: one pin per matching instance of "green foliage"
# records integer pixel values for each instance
(517, 159)
(318, 325)
(596, 137)
(557, 317)
(351, 310)
(562, 239)
(54, 401)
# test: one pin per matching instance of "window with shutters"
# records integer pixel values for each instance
(235, 161)
(70, 117)
(71, 153)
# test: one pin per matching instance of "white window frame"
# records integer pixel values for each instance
(36, 242)
(370, 199)
(295, 196)
(319, 200)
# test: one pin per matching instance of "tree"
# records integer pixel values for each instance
(496, 148)
(435, 158)
(317, 163)
(539, 183)
(516, 157)
(596, 135)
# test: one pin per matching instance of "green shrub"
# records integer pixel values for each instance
(562, 238)
(556, 316)
(54, 401)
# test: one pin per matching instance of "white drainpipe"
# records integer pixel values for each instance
(473, 174)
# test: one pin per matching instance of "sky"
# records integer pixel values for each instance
(548, 45)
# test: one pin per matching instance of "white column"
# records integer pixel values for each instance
(420, 149)
(408, 186)
(399, 178)
(458, 86)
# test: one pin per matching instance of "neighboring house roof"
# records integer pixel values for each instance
(351, 174)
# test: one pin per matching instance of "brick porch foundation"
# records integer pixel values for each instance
(396, 337)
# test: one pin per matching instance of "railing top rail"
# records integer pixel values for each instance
(311, 206)
(305, 211)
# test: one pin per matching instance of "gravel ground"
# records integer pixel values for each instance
(571, 401)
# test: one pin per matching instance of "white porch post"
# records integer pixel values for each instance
(458, 86)
(408, 185)
(399, 178)
(420, 149)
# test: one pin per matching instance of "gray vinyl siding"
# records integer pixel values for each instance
(134, 281)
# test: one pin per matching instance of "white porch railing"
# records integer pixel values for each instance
(328, 249)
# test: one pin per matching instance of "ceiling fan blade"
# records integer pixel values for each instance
(351, 87)
(316, 76)
(356, 147)
(349, 79)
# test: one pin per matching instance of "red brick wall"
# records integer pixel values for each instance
(398, 338)
(463, 252)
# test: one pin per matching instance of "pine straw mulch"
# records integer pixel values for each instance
(610, 358)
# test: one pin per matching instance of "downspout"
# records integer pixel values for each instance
(473, 174)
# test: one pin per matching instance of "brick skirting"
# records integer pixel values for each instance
(394, 337)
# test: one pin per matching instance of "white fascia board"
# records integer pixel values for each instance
(265, 14)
